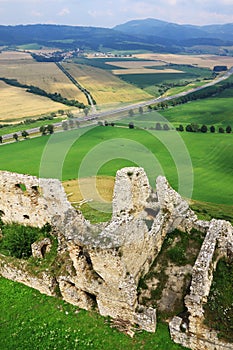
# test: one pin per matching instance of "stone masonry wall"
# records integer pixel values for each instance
(219, 242)
(103, 263)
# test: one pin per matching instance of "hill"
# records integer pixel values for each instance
(148, 34)
(178, 34)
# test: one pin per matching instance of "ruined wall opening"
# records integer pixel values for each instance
(44, 250)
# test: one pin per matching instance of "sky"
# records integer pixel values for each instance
(107, 13)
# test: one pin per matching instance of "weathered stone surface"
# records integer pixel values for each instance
(102, 264)
(217, 243)
(45, 282)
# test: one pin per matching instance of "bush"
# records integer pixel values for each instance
(17, 239)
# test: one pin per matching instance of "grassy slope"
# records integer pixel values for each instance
(30, 320)
(211, 156)
(213, 110)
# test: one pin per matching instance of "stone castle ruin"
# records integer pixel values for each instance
(101, 265)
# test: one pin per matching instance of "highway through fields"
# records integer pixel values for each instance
(93, 116)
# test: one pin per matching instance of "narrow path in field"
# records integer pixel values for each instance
(90, 99)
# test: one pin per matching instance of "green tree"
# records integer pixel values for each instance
(64, 125)
(158, 126)
(43, 130)
(189, 128)
(181, 128)
(166, 127)
(228, 129)
(50, 129)
(24, 134)
(131, 113)
(204, 129)
(212, 129)
(15, 136)
(71, 122)
(140, 110)
(53, 115)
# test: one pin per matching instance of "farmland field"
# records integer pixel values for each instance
(45, 75)
(206, 61)
(104, 86)
(17, 104)
(211, 156)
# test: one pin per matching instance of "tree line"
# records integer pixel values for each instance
(204, 128)
(196, 95)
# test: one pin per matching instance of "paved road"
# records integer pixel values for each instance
(96, 116)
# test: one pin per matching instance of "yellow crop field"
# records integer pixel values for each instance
(208, 61)
(17, 104)
(104, 188)
(104, 86)
(14, 55)
(45, 75)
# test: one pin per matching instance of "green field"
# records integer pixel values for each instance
(30, 320)
(111, 148)
(211, 111)
(152, 82)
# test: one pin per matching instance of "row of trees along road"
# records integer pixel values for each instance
(196, 128)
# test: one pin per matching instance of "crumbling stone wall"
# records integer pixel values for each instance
(192, 332)
(103, 263)
(31, 201)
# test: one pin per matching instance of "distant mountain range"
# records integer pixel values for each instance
(148, 34)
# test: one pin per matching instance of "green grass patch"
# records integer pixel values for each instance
(219, 307)
(26, 126)
(32, 46)
(17, 239)
(145, 80)
(104, 150)
(30, 320)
